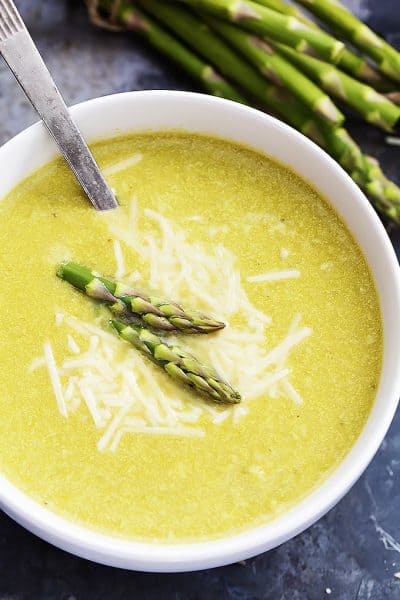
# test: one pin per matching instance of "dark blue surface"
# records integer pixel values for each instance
(343, 556)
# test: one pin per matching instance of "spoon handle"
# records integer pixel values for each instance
(24, 60)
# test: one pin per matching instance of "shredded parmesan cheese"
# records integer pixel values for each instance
(36, 364)
(54, 378)
(122, 165)
(59, 318)
(112, 429)
(72, 345)
(122, 391)
(292, 393)
(274, 276)
(119, 259)
(283, 347)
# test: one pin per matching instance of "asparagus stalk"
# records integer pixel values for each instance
(130, 305)
(349, 61)
(278, 69)
(359, 34)
(379, 187)
(283, 28)
(373, 107)
(178, 364)
(134, 19)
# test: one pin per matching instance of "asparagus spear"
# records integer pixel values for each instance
(180, 365)
(349, 61)
(373, 107)
(278, 26)
(129, 304)
(278, 69)
(359, 34)
(133, 18)
(378, 186)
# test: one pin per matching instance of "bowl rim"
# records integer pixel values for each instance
(185, 556)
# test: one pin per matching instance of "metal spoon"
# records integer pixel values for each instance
(24, 60)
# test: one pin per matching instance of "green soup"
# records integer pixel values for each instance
(220, 228)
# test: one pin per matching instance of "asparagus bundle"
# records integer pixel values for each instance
(130, 305)
(245, 59)
(179, 364)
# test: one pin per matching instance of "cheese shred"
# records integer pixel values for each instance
(54, 378)
(122, 165)
(274, 276)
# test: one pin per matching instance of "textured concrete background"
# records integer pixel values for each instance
(352, 553)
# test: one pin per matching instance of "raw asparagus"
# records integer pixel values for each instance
(279, 70)
(179, 364)
(384, 194)
(131, 17)
(264, 21)
(349, 61)
(198, 35)
(347, 25)
(373, 107)
(130, 305)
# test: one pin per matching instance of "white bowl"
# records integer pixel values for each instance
(136, 111)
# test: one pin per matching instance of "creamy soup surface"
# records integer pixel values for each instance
(216, 227)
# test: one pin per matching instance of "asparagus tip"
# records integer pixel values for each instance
(60, 269)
